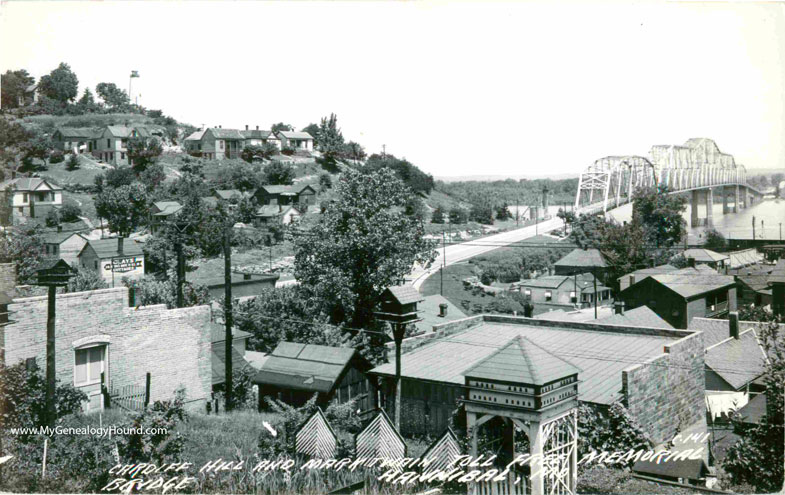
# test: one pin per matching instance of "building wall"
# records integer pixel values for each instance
(666, 393)
(173, 345)
(560, 295)
(70, 248)
(667, 304)
(426, 408)
(90, 261)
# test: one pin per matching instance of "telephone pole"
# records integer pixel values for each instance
(228, 318)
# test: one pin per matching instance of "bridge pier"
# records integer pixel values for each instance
(709, 207)
(694, 205)
(725, 191)
(706, 197)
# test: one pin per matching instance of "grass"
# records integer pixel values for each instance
(213, 268)
(84, 175)
(454, 290)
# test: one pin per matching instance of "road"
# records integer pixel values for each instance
(465, 250)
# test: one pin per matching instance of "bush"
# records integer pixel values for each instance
(287, 150)
(52, 218)
(279, 173)
(72, 163)
(165, 445)
(86, 280)
(70, 212)
(56, 156)
(325, 181)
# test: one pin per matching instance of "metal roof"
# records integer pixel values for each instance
(256, 134)
(107, 248)
(228, 193)
(60, 237)
(522, 361)
(279, 189)
(304, 366)
(555, 281)
(704, 255)
(429, 312)
(166, 208)
(778, 274)
(196, 136)
(689, 285)
(218, 333)
(295, 135)
(226, 133)
(642, 316)
(218, 362)
(737, 361)
(583, 258)
(600, 355)
(745, 257)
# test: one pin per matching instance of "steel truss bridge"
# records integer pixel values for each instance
(698, 166)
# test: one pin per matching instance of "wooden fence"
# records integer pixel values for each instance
(130, 397)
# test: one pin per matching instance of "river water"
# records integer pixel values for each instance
(769, 217)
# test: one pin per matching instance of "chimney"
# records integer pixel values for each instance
(618, 307)
(246, 127)
(443, 310)
(257, 127)
(280, 207)
(119, 246)
(220, 127)
(246, 276)
(632, 280)
(59, 228)
(733, 323)
(691, 262)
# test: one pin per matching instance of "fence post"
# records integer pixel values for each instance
(105, 396)
(147, 390)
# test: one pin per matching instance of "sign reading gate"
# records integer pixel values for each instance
(123, 265)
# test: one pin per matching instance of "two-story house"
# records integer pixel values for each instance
(32, 197)
(111, 145)
(219, 143)
(679, 296)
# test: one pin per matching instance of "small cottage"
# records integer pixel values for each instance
(113, 259)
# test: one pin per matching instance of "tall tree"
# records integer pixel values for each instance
(124, 208)
(279, 173)
(87, 101)
(113, 96)
(13, 85)
(143, 152)
(313, 130)
(361, 245)
(330, 138)
(61, 84)
(280, 126)
(660, 215)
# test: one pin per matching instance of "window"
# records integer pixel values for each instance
(24, 197)
(95, 264)
(573, 297)
(221, 144)
(527, 292)
(548, 295)
(122, 156)
(89, 364)
(108, 143)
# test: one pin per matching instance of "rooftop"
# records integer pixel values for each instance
(601, 352)
(404, 294)
(429, 312)
(107, 248)
(306, 367)
(641, 316)
(583, 258)
(218, 361)
(778, 274)
(745, 257)
(268, 211)
(522, 361)
(218, 333)
(690, 282)
(737, 361)
(79, 132)
(555, 281)
(295, 135)
(166, 208)
(29, 184)
(59, 237)
(645, 272)
(705, 255)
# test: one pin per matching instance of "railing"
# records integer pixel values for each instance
(129, 397)
(716, 308)
(516, 484)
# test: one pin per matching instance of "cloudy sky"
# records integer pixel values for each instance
(459, 88)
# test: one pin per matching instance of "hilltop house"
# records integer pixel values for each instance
(75, 139)
(681, 295)
(64, 245)
(569, 291)
(111, 143)
(299, 141)
(276, 215)
(260, 137)
(113, 259)
(301, 196)
(161, 212)
(218, 143)
(32, 197)
(193, 143)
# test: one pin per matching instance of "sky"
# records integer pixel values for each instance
(458, 88)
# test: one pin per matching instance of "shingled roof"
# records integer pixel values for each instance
(704, 255)
(522, 361)
(29, 184)
(404, 294)
(107, 248)
(737, 361)
(689, 285)
(583, 258)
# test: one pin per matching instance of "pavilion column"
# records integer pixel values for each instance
(694, 205)
(709, 207)
(535, 440)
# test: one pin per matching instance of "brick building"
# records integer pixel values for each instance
(656, 373)
(97, 332)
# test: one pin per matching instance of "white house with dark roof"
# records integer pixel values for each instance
(301, 141)
(707, 257)
(276, 215)
(111, 143)
(75, 139)
(31, 197)
(113, 259)
(64, 245)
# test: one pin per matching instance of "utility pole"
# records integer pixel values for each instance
(178, 246)
(594, 276)
(753, 227)
(229, 405)
(444, 260)
(780, 230)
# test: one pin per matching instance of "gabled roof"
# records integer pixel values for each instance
(228, 193)
(522, 361)
(226, 133)
(166, 208)
(755, 282)
(645, 272)
(123, 131)
(705, 255)
(60, 237)
(583, 258)
(218, 362)
(745, 257)
(778, 274)
(295, 135)
(196, 136)
(737, 361)
(585, 280)
(107, 248)
(257, 134)
(278, 189)
(403, 294)
(689, 285)
(25, 184)
(308, 367)
(79, 132)
(641, 316)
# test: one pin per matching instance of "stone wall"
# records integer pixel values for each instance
(173, 345)
(666, 393)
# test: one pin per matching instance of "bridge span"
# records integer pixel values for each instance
(698, 167)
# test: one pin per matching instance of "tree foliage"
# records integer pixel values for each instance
(279, 173)
(417, 180)
(143, 152)
(150, 291)
(253, 153)
(280, 126)
(714, 240)
(13, 85)
(113, 96)
(85, 280)
(660, 215)
(61, 84)
(363, 244)
(25, 248)
(124, 208)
